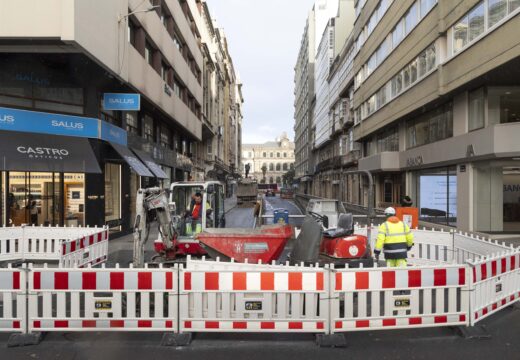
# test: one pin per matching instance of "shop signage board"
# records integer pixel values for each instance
(58, 124)
(47, 123)
(112, 133)
(124, 102)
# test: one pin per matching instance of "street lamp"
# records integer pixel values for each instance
(123, 17)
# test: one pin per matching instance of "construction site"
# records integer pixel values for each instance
(248, 273)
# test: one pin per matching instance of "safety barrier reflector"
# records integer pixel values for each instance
(263, 299)
(385, 298)
(496, 284)
(12, 300)
(107, 299)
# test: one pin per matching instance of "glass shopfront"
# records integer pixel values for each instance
(42, 198)
(113, 196)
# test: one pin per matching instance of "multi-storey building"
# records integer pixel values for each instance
(61, 61)
(437, 108)
(303, 98)
(275, 157)
(222, 108)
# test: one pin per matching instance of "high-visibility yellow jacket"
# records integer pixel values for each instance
(394, 238)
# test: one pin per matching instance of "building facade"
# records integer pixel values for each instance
(275, 157)
(127, 92)
(434, 99)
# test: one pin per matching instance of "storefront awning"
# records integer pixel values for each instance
(46, 153)
(156, 169)
(132, 160)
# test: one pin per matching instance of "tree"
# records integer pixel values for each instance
(288, 177)
(264, 171)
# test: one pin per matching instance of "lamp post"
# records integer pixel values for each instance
(124, 17)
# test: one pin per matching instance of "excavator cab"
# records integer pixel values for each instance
(191, 214)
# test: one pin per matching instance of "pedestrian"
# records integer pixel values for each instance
(395, 239)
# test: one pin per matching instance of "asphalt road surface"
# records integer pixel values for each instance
(434, 343)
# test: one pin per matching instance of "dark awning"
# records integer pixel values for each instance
(46, 153)
(132, 160)
(156, 169)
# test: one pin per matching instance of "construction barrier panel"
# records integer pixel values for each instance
(88, 250)
(384, 298)
(103, 299)
(12, 300)
(262, 299)
(496, 284)
(54, 244)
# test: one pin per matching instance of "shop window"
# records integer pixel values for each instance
(476, 109)
(437, 195)
(113, 196)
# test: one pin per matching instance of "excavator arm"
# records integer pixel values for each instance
(146, 201)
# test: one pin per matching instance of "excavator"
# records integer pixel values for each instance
(177, 231)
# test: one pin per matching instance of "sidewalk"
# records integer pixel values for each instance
(230, 203)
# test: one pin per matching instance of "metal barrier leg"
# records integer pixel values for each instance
(179, 339)
(331, 340)
(478, 332)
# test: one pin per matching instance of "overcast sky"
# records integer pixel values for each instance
(264, 39)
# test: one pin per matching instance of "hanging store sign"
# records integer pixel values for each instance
(124, 102)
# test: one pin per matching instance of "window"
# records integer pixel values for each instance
(271, 155)
(164, 71)
(513, 5)
(497, 10)
(113, 196)
(264, 154)
(460, 34)
(285, 167)
(148, 53)
(271, 167)
(284, 154)
(132, 29)
(476, 21)
(433, 126)
(411, 18)
(398, 33)
(413, 71)
(250, 154)
(388, 140)
(148, 128)
(277, 155)
(132, 125)
(426, 6)
(166, 141)
(176, 88)
(430, 58)
(476, 109)
(278, 167)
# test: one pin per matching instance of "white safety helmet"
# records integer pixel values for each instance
(389, 211)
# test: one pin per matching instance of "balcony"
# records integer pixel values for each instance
(331, 163)
(385, 161)
(351, 158)
(184, 162)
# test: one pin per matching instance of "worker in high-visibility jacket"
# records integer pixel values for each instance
(395, 239)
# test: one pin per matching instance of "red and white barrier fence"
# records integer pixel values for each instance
(496, 284)
(12, 300)
(67, 246)
(384, 298)
(262, 299)
(103, 299)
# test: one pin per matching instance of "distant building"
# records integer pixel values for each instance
(277, 157)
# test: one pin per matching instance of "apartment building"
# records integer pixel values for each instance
(269, 161)
(437, 108)
(116, 87)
